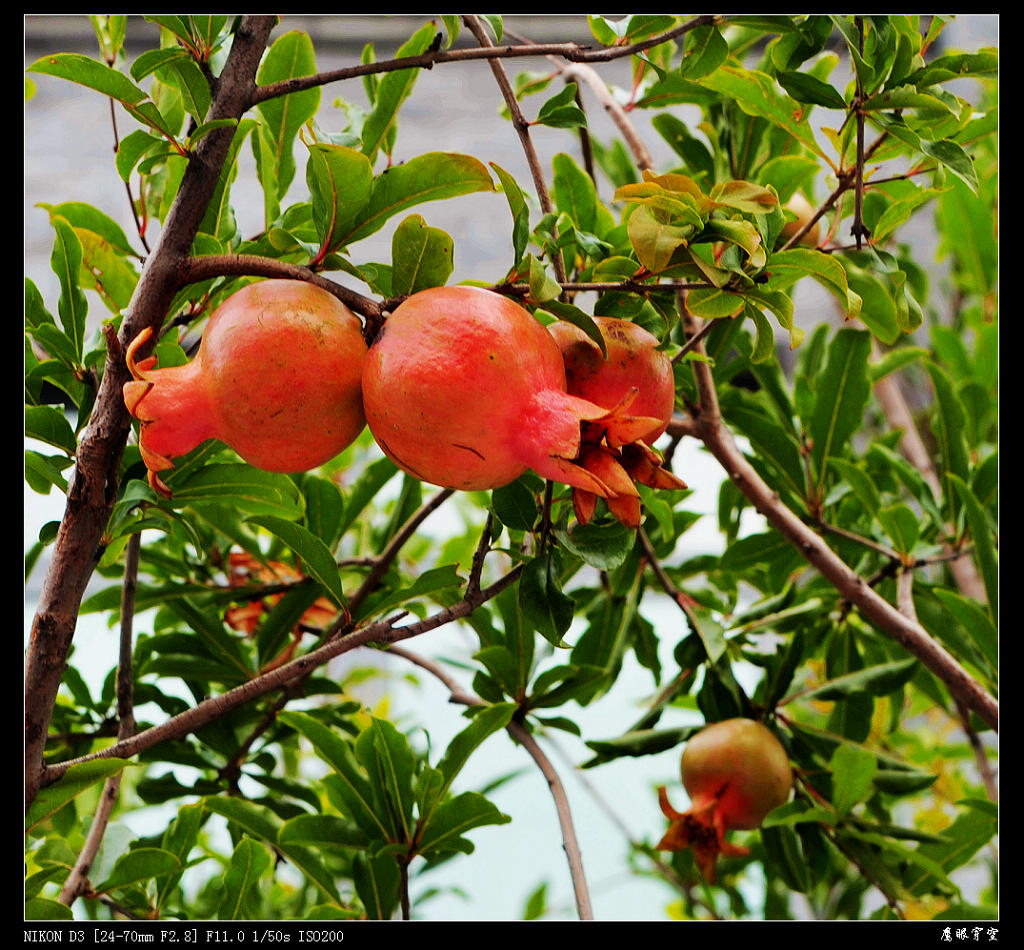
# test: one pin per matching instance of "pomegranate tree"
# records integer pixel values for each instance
(735, 772)
(276, 377)
(634, 381)
(465, 389)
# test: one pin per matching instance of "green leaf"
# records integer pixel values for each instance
(971, 830)
(520, 213)
(786, 857)
(349, 781)
(757, 95)
(77, 779)
(515, 506)
(878, 680)
(93, 74)
(421, 257)
(949, 425)
(261, 822)
(574, 193)
(389, 762)
(453, 818)
(437, 581)
(239, 898)
(541, 598)
(321, 831)
(66, 263)
(853, 770)
(484, 724)
(139, 866)
(975, 619)
(902, 525)
(289, 57)
(810, 90)
(842, 392)
(392, 90)
(639, 742)
(314, 554)
(771, 442)
(50, 425)
(377, 879)
(340, 182)
(433, 176)
(561, 110)
(983, 538)
(248, 489)
(955, 66)
(603, 546)
(706, 50)
(788, 267)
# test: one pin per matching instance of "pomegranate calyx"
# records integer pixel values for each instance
(699, 830)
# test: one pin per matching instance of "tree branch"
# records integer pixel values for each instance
(716, 437)
(94, 484)
(525, 738)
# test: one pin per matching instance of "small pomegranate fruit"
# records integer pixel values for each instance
(277, 378)
(465, 389)
(804, 211)
(636, 384)
(634, 372)
(735, 773)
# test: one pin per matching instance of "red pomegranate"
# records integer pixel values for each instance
(635, 383)
(277, 378)
(635, 375)
(465, 389)
(735, 773)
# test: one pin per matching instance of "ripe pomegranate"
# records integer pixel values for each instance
(277, 378)
(635, 383)
(463, 388)
(635, 377)
(735, 772)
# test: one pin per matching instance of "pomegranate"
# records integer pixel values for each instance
(277, 378)
(735, 772)
(804, 211)
(465, 389)
(636, 384)
(635, 376)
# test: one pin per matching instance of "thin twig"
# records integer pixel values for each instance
(572, 52)
(525, 738)
(381, 632)
(77, 882)
(522, 128)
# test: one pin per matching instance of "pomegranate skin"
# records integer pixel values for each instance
(735, 773)
(634, 371)
(465, 389)
(739, 765)
(636, 384)
(277, 378)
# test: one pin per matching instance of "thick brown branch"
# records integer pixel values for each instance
(94, 483)
(711, 430)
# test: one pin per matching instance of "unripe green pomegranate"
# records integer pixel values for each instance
(735, 773)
